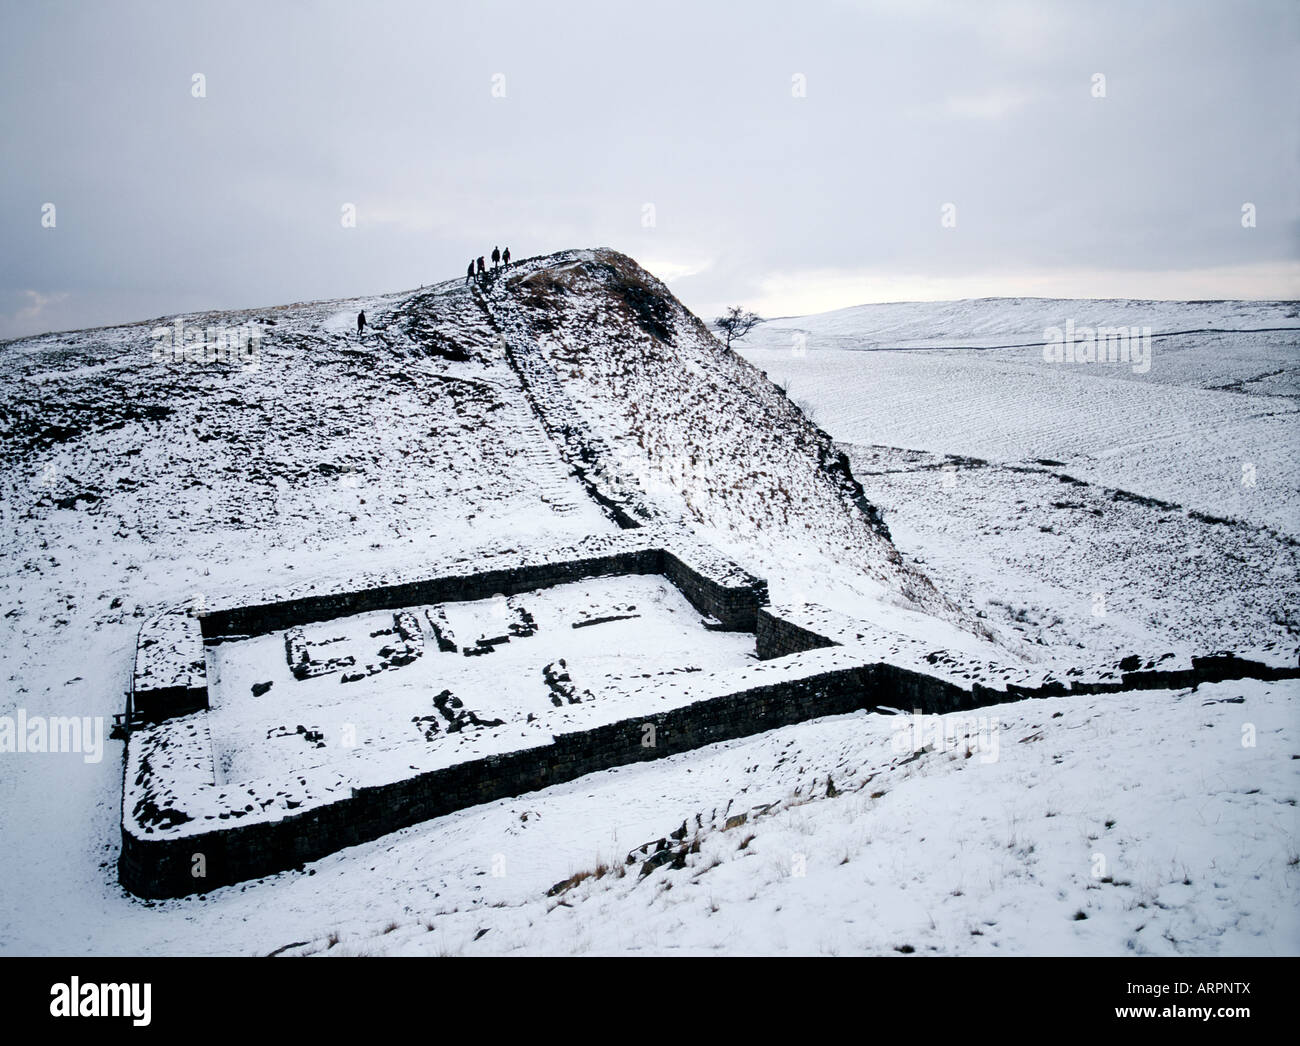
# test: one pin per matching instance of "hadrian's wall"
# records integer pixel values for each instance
(733, 606)
(170, 677)
(777, 636)
(162, 867)
(819, 663)
(270, 617)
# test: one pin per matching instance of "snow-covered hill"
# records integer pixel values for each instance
(1081, 504)
(538, 408)
(704, 434)
(992, 322)
(1210, 422)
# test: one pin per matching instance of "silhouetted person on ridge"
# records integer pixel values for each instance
(482, 269)
(496, 258)
(469, 273)
(505, 258)
(361, 323)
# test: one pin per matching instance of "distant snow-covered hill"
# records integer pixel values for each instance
(1211, 422)
(1002, 321)
(1075, 504)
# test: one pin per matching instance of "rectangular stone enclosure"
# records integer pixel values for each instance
(188, 828)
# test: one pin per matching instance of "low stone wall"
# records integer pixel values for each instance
(154, 704)
(776, 637)
(162, 866)
(733, 602)
(806, 684)
(170, 677)
(736, 607)
(588, 454)
(258, 619)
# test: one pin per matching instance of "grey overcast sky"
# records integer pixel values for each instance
(454, 127)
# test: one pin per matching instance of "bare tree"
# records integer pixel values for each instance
(736, 323)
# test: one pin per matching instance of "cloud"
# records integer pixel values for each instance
(912, 104)
(993, 105)
(672, 270)
(29, 317)
(37, 303)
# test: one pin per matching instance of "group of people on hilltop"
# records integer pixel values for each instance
(499, 259)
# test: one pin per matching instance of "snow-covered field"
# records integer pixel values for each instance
(1167, 820)
(1074, 505)
(1212, 424)
(1144, 812)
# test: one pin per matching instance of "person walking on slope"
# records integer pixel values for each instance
(361, 323)
(496, 258)
(469, 272)
(505, 258)
(482, 269)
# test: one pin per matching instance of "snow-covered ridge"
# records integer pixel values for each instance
(703, 435)
(989, 322)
